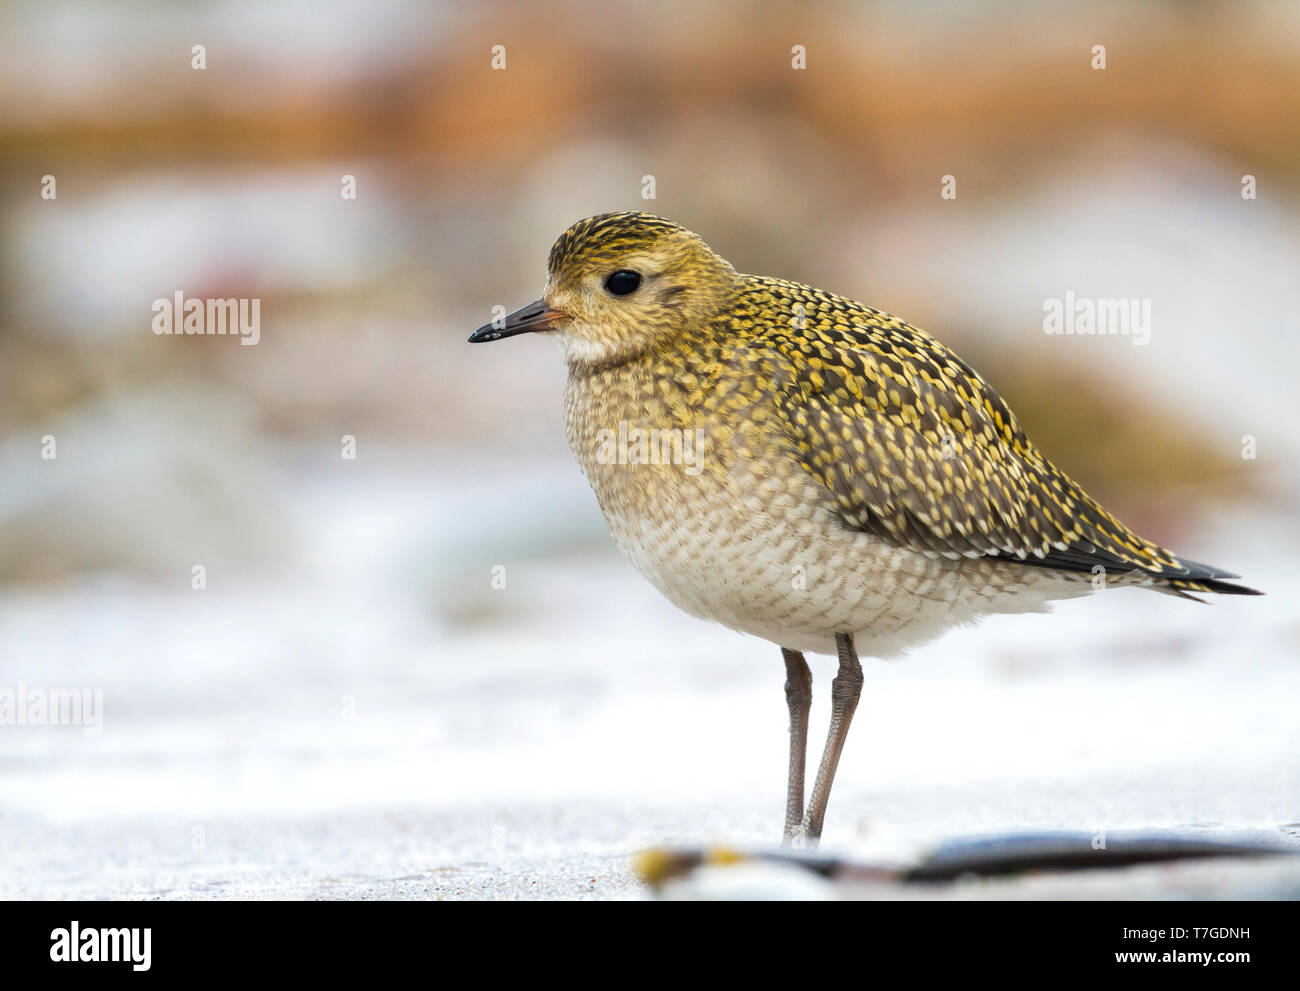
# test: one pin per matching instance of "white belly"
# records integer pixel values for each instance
(769, 558)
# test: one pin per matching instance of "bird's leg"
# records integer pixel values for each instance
(845, 690)
(798, 696)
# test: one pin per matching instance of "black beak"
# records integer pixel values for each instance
(535, 316)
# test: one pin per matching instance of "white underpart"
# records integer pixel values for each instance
(771, 558)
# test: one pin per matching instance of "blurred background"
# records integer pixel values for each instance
(349, 708)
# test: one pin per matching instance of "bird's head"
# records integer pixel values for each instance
(619, 284)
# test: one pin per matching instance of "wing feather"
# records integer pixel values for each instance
(916, 447)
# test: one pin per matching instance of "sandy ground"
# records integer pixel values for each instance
(377, 722)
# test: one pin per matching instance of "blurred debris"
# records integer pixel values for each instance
(786, 874)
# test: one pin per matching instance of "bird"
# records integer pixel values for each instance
(809, 470)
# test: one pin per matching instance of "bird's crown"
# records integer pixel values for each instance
(607, 236)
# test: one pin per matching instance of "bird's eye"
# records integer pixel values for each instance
(624, 282)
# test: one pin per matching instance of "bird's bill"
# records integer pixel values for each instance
(535, 316)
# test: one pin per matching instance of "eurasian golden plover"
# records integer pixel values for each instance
(801, 467)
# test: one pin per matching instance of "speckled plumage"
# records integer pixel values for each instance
(856, 473)
(804, 468)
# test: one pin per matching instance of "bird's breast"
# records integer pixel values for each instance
(721, 532)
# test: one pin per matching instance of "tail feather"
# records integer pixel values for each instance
(1181, 580)
(1210, 585)
(1204, 578)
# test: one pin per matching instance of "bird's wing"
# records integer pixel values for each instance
(914, 446)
